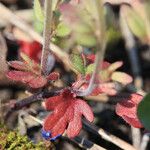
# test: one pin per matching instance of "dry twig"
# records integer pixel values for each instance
(84, 143)
(144, 141)
(108, 137)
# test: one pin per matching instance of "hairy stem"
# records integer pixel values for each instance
(12, 18)
(34, 98)
(101, 44)
(46, 35)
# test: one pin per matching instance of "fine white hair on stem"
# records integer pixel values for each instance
(46, 38)
(101, 45)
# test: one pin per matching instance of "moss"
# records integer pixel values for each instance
(12, 140)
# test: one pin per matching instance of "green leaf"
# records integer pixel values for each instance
(90, 69)
(144, 111)
(136, 24)
(85, 39)
(80, 23)
(38, 26)
(39, 14)
(78, 63)
(62, 30)
(113, 35)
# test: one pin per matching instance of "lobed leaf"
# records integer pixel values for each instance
(18, 65)
(127, 109)
(29, 72)
(38, 82)
(24, 77)
(29, 78)
(107, 88)
(31, 64)
(67, 113)
(53, 76)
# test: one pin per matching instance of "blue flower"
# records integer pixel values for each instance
(54, 138)
(47, 135)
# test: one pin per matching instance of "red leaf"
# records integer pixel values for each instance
(136, 98)
(29, 78)
(32, 49)
(67, 113)
(29, 73)
(38, 82)
(91, 58)
(53, 76)
(51, 103)
(127, 109)
(108, 72)
(107, 88)
(31, 64)
(24, 77)
(18, 65)
(101, 88)
(105, 65)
